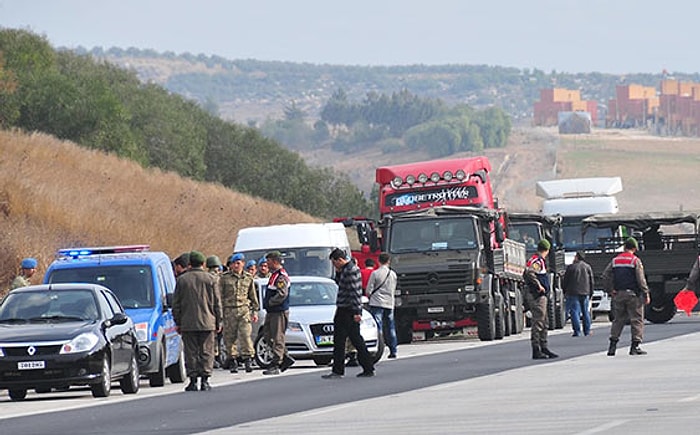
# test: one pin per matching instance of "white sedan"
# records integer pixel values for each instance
(310, 331)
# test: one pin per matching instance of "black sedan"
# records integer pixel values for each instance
(59, 335)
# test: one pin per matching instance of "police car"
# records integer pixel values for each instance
(144, 283)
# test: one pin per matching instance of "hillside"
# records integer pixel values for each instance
(54, 194)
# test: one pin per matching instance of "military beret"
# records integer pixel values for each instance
(631, 243)
(543, 245)
(275, 255)
(250, 263)
(29, 263)
(236, 257)
(262, 261)
(197, 258)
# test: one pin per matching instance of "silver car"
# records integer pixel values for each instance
(310, 331)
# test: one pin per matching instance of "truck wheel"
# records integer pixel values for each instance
(518, 316)
(486, 320)
(551, 312)
(499, 314)
(157, 379)
(560, 310)
(404, 330)
(507, 313)
(660, 310)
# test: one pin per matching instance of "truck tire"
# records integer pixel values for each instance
(404, 329)
(507, 307)
(486, 320)
(661, 309)
(518, 321)
(559, 310)
(500, 317)
(551, 311)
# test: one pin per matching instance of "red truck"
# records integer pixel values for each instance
(446, 235)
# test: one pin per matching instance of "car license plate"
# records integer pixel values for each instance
(323, 340)
(436, 309)
(30, 365)
(418, 335)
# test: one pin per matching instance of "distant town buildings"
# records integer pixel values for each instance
(672, 109)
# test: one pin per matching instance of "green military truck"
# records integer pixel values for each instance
(529, 228)
(668, 247)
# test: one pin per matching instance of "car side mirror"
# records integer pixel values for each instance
(117, 319)
(500, 233)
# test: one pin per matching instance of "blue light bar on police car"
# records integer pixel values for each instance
(84, 252)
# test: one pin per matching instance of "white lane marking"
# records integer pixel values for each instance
(690, 399)
(603, 427)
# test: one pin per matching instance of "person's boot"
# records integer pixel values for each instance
(352, 360)
(612, 347)
(233, 365)
(287, 362)
(273, 370)
(192, 386)
(248, 367)
(537, 352)
(548, 353)
(205, 384)
(636, 350)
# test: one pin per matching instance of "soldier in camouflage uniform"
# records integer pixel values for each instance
(241, 306)
(28, 269)
(263, 268)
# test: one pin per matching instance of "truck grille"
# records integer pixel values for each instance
(436, 281)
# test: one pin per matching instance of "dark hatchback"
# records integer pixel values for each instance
(59, 335)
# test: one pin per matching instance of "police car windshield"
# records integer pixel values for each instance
(133, 285)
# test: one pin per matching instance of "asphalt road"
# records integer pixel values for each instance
(450, 386)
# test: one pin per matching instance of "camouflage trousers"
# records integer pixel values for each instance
(237, 332)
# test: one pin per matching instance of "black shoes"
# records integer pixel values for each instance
(548, 353)
(352, 361)
(192, 385)
(332, 375)
(204, 386)
(287, 362)
(392, 356)
(636, 350)
(271, 371)
(248, 367)
(613, 347)
(366, 374)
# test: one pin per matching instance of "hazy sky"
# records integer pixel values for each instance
(612, 36)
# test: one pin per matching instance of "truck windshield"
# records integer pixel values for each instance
(528, 233)
(575, 240)
(432, 235)
(133, 285)
(301, 261)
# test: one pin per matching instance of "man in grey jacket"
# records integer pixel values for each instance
(197, 314)
(380, 288)
(578, 288)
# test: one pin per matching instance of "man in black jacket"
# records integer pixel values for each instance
(348, 315)
(578, 288)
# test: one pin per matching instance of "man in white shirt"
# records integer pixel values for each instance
(380, 289)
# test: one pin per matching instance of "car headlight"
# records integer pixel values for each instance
(294, 326)
(82, 343)
(141, 331)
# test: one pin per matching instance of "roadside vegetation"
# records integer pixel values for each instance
(55, 194)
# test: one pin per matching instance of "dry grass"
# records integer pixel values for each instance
(54, 194)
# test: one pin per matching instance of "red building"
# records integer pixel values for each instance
(555, 100)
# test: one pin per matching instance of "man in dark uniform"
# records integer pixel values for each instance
(197, 314)
(276, 304)
(537, 281)
(624, 280)
(347, 318)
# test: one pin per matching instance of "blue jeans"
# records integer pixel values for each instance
(386, 316)
(577, 305)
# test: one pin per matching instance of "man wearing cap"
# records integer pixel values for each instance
(197, 314)
(27, 271)
(624, 280)
(276, 304)
(241, 306)
(578, 287)
(263, 268)
(537, 282)
(347, 318)
(214, 265)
